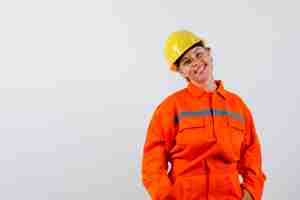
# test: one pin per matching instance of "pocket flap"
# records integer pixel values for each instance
(191, 122)
(236, 123)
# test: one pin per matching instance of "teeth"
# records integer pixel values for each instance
(202, 67)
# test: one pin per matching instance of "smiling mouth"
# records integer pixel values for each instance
(201, 69)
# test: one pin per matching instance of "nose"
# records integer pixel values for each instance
(195, 64)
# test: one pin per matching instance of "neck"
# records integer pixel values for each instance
(208, 86)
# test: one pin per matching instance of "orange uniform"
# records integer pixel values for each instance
(208, 138)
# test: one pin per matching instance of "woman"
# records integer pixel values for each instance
(204, 132)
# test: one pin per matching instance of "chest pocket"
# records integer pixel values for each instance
(191, 122)
(193, 132)
(236, 131)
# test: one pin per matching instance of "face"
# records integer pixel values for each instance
(196, 65)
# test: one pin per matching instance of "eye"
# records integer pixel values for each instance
(199, 54)
(186, 62)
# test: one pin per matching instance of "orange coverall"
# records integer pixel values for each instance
(208, 138)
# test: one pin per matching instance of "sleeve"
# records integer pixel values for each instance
(250, 164)
(155, 153)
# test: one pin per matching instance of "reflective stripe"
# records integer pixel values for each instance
(216, 112)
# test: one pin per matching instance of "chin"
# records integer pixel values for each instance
(202, 79)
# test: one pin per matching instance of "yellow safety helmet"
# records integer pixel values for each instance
(178, 43)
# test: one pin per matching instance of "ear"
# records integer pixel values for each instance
(208, 50)
(183, 71)
(209, 53)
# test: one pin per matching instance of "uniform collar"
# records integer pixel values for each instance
(198, 91)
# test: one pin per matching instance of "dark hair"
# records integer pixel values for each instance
(201, 44)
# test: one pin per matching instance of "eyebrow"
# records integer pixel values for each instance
(198, 49)
(194, 50)
(184, 58)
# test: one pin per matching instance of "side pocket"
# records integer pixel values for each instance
(227, 186)
(191, 187)
(183, 188)
(236, 185)
(178, 190)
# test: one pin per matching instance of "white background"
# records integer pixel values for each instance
(79, 81)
